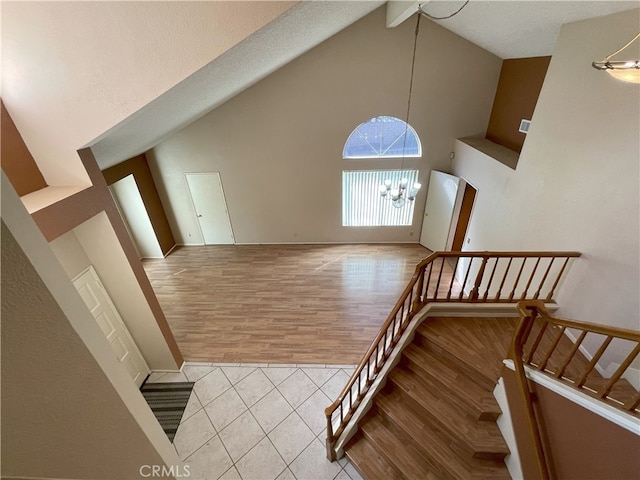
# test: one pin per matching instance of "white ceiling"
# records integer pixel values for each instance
(518, 29)
(509, 29)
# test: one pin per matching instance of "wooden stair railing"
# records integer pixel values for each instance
(535, 346)
(462, 277)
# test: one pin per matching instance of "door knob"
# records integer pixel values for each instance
(199, 216)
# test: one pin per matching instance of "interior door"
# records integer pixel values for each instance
(211, 208)
(104, 311)
(438, 210)
(128, 200)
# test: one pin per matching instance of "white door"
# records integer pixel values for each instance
(104, 311)
(129, 202)
(211, 208)
(438, 210)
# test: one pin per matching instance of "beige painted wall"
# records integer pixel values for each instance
(103, 62)
(94, 243)
(577, 184)
(278, 145)
(68, 409)
(70, 254)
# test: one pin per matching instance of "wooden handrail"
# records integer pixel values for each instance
(517, 351)
(551, 334)
(423, 288)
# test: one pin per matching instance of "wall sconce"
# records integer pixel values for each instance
(626, 70)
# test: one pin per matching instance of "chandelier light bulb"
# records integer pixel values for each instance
(625, 70)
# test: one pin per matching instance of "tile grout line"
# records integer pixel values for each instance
(274, 387)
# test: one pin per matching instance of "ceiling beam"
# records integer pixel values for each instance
(399, 10)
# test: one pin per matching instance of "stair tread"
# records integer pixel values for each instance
(406, 458)
(468, 394)
(421, 432)
(368, 461)
(479, 344)
(483, 438)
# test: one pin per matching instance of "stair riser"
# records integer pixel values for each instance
(409, 460)
(457, 442)
(400, 433)
(470, 371)
(368, 462)
(469, 405)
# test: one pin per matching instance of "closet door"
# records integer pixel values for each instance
(438, 211)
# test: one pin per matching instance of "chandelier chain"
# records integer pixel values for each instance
(413, 65)
(442, 18)
(621, 49)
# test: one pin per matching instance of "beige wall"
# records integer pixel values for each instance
(73, 70)
(94, 243)
(577, 183)
(278, 145)
(68, 409)
(70, 254)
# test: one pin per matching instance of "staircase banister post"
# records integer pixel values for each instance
(528, 312)
(331, 453)
(475, 291)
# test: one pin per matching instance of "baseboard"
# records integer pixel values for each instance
(464, 309)
(170, 250)
(396, 242)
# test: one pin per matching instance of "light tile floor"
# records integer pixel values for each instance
(258, 421)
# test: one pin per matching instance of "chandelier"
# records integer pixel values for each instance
(626, 70)
(402, 193)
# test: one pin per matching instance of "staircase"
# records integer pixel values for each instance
(435, 418)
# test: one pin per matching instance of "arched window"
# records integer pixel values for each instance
(383, 137)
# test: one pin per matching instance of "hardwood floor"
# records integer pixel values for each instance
(280, 303)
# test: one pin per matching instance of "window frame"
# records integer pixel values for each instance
(408, 130)
(385, 207)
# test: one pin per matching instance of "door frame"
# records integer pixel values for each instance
(457, 210)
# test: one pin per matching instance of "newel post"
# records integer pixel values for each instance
(331, 453)
(417, 302)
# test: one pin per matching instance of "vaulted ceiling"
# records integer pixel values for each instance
(64, 98)
(507, 29)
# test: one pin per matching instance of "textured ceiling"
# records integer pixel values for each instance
(518, 29)
(296, 31)
(508, 29)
